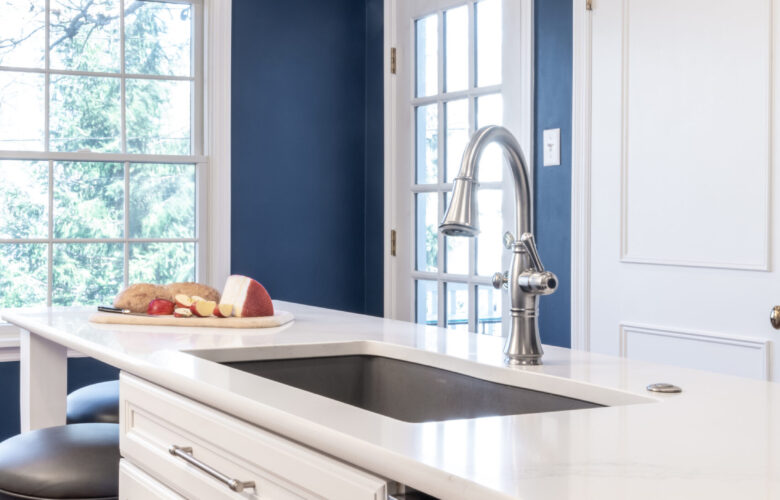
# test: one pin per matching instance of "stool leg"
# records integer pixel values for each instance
(43, 382)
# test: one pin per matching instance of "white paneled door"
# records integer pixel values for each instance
(460, 65)
(683, 227)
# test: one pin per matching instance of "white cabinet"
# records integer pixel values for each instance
(135, 484)
(215, 449)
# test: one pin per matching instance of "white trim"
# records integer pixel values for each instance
(101, 74)
(741, 342)
(99, 157)
(217, 34)
(737, 266)
(580, 176)
(99, 240)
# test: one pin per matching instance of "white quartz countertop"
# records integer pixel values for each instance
(718, 439)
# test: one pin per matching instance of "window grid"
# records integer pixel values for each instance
(442, 276)
(195, 158)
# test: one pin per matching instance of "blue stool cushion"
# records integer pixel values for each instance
(94, 403)
(69, 461)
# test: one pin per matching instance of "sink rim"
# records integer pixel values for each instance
(527, 377)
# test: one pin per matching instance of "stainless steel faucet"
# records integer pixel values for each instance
(527, 279)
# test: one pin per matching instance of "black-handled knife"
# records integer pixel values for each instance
(116, 310)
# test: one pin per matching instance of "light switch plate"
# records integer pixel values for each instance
(551, 142)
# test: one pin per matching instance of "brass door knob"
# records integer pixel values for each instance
(775, 317)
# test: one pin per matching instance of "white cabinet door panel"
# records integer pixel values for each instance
(682, 176)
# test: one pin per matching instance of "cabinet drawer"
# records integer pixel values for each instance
(214, 448)
(135, 484)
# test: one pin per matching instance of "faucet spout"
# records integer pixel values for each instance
(463, 208)
(527, 277)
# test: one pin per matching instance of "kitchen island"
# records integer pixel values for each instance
(719, 438)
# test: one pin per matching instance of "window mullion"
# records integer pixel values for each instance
(122, 92)
(50, 244)
(126, 235)
(46, 80)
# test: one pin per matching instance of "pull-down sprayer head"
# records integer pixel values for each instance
(461, 218)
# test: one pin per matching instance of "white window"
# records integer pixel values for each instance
(461, 65)
(103, 166)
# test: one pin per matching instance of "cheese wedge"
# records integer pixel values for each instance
(248, 297)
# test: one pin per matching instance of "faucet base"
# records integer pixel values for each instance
(523, 346)
(522, 362)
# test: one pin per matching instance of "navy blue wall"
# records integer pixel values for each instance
(81, 372)
(306, 150)
(552, 103)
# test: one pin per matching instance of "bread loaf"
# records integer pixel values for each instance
(136, 297)
(192, 289)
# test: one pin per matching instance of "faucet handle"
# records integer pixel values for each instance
(501, 280)
(509, 240)
(529, 243)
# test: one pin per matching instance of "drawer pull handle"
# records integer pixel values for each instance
(185, 453)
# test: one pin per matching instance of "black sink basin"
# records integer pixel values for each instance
(406, 391)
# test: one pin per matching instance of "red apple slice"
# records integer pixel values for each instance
(182, 312)
(159, 307)
(223, 310)
(197, 298)
(203, 308)
(182, 300)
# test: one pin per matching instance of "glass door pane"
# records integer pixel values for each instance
(457, 53)
(427, 49)
(457, 306)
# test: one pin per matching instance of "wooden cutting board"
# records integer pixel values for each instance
(278, 319)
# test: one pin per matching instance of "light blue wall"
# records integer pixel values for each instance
(552, 103)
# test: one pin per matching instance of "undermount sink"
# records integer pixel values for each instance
(404, 390)
(412, 384)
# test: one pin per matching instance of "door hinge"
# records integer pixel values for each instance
(392, 242)
(392, 63)
(588, 4)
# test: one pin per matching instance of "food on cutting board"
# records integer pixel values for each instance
(193, 290)
(137, 297)
(224, 310)
(182, 312)
(248, 297)
(242, 297)
(203, 308)
(159, 307)
(182, 300)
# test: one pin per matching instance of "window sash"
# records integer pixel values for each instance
(197, 128)
(196, 156)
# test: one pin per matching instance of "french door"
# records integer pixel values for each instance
(459, 65)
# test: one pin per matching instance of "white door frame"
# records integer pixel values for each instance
(389, 157)
(580, 174)
(522, 126)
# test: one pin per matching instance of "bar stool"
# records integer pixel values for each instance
(94, 403)
(78, 461)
